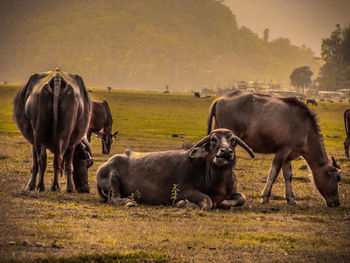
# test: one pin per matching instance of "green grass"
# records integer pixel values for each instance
(90, 231)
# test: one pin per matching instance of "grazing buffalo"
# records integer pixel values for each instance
(311, 101)
(101, 123)
(82, 161)
(347, 130)
(285, 127)
(52, 112)
(201, 175)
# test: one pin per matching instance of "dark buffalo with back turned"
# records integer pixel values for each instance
(201, 175)
(52, 112)
(101, 124)
(347, 130)
(282, 126)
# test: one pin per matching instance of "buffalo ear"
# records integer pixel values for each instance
(115, 134)
(198, 152)
(200, 149)
(334, 163)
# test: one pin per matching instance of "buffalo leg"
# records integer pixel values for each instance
(57, 165)
(41, 155)
(274, 170)
(287, 175)
(346, 146)
(68, 168)
(115, 194)
(236, 199)
(88, 135)
(34, 170)
(195, 196)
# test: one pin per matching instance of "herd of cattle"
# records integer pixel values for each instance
(53, 111)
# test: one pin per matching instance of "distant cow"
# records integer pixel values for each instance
(202, 175)
(197, 94)
(101, 123)
(347, 130)
(52, 112)
(312, 101)
(285, 127)
(82, 161)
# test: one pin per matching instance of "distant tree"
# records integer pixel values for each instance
(266, 34)
(335, 51)
(301, 77)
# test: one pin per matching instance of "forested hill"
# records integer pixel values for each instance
(140, 43)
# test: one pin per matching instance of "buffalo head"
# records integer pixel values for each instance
(326, 180)
(82, 161)
(219, 147)
(107, 139)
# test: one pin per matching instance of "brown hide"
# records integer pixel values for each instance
(347, 131)
(202, 175)
(101, 124)
(52, 112)
(82, 161)
(283, 126)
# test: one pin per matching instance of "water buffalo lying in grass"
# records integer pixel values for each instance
(202, 175)
(52, 112)
(285, 127)
(347, 130)
(82, 161)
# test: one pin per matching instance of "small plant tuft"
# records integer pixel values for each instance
(174, 191)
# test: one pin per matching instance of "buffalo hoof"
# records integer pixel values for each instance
(127, 202)
(40, 187)
(206, 204)
(238, 201)
(83, 190)
(264, 200)
(130, 203)
(186, 204)
(291, 202)
(30, 186)
(55, 188)
(70, 189)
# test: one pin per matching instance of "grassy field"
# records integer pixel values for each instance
(57, 227)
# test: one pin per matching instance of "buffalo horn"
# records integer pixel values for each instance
(334, 163)
(244, 146)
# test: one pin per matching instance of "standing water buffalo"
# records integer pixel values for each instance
(285, 127)
(311, 101)
(52, 112)
(347, 130)
(101, 123)
(202, 175)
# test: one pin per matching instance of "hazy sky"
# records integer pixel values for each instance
(302, 21)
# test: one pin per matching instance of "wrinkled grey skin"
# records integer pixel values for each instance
(202, 175)
(285, 127)
(347, 130)
(52, 112)
(82, 161)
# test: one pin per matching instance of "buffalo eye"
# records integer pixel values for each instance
(213, 139)
(233, 141)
